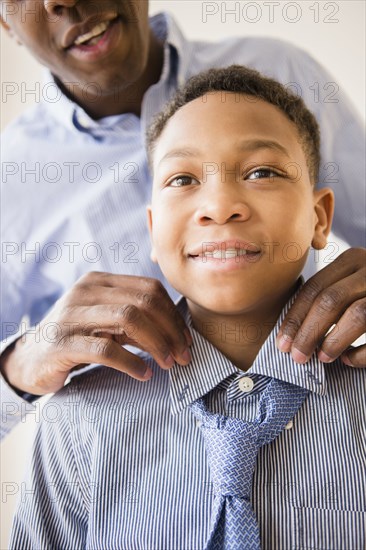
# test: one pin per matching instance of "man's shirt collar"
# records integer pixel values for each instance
(209, 367)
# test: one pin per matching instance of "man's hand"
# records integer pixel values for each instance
(90, 323)
(336, 295)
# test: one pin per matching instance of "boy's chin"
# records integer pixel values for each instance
(226, 306)
(259, 302)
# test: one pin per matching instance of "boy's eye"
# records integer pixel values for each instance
(182, 181)
(260, 173)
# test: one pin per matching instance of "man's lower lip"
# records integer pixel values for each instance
(102, 47)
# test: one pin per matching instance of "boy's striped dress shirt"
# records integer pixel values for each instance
(119, 464)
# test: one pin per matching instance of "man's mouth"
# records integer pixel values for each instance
(91, 38)
(88, 34)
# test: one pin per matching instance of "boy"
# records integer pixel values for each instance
(234, 212)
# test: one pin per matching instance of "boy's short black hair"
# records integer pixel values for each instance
(242, 80)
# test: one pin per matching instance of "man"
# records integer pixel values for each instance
(76, 185)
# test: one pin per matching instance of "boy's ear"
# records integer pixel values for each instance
(149, 225)
(323, 211)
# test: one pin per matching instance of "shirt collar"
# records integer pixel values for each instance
(209, 367)
(177, 56)
(183, 48)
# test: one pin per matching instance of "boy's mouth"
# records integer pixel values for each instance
(225, 251)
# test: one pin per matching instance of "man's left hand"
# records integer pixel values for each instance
(334, 297)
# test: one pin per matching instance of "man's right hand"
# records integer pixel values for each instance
(90, 323)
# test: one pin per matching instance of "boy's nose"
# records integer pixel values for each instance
(52, 6)
(221, 208)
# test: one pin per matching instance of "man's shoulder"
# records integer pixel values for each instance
(34, 124)
(263, 42)
(30, 119)
(256, 51)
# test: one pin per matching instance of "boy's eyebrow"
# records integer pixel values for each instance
(180, 153)
(255, 144)
(245, 145)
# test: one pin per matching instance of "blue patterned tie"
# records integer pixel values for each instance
(232, 446)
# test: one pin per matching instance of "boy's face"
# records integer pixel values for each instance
(233, 210)
(49, 29)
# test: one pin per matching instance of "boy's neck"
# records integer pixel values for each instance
(239, 336)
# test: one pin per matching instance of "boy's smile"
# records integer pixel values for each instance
(225, 255)
(234, 212)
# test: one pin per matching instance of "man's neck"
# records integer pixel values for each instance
(128, 99)
(239, 336)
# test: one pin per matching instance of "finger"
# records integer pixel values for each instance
(172, 326)
(103, 278)
(349, 327)
(302, 334)
(157, 304)
(355, 357)
(131, 325)
(348, 263)
(106, 352)
(146, 294)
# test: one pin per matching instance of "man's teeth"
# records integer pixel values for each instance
(96, 31)
(225, 254)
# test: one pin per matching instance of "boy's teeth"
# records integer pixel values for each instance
(226, 254)
(96, 31)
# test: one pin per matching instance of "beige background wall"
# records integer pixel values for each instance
(333, 32)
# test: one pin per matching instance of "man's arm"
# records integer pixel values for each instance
(90, 323)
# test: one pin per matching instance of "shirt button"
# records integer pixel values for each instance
(289, 425)
(246, 384)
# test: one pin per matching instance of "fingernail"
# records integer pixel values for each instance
(186, 355)
(346, 360)
(298, 356)
(169, 361)
(188, 336)
(324, 357)
(284, 343)
(148, 375)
